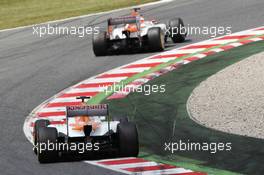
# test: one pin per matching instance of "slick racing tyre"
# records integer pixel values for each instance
(100, 45)
(156, 39)
(39, 124)
(127, 139)
(47, 138)
(176, 30)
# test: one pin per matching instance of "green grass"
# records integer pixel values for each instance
(15, 13)
(157, 114)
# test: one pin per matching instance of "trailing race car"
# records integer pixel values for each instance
(134, 32)
(89, 126)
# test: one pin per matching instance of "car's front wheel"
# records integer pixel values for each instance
(177, 30)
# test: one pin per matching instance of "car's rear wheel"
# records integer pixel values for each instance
(46, 140)
(177, 31)
(156, 39)
(127, 139)
(100, 45)
(38, 124)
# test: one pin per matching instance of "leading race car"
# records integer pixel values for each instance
(134, 33)
(88, 131)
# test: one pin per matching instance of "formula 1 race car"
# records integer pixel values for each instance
(102, 134)
(134, 33)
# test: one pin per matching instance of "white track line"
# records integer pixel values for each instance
(52, 109)
(217, 50)
(236, 44)
(217, 41)
(185, 51)
(68, 99)
(92, 89)
(166, 171)
(109, 167)
(53, 118)
(133, 165)
(130, 70)
(104, 80)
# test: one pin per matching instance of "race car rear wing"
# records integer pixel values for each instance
(122, 20)
(87, 110)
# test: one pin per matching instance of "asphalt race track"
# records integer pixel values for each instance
(32, 69)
